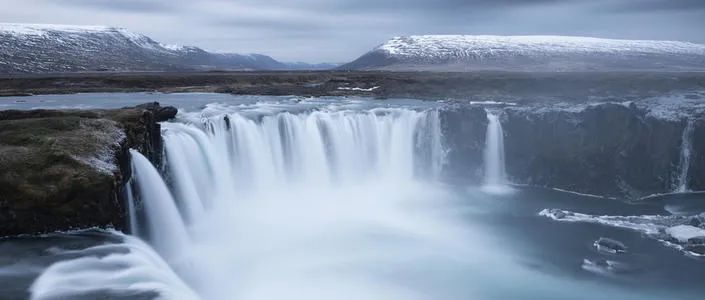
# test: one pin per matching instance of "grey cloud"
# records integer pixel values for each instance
(122, 5)
(659, 5)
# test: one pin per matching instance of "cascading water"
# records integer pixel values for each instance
(275, 204)
(165, 228)
(495, 178)
(684, 163)
(123, 270)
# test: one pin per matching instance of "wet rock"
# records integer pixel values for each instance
(698, 250)
(62, 170)
(607, 149)
(696, 221)
(700, 240)
(464, 128)
(556, 214)
(610, 246)
(227, 122)
(161, 113)
(559, 214)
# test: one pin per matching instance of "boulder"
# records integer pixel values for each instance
(610, 246)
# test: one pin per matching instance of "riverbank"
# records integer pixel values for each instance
(523, 87)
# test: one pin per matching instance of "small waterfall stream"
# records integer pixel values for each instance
(165, 228)
(495, 174)
(684, 163)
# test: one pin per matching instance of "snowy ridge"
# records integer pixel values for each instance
(38, 48)
(66, 33)
(41, 29)
(529, 53)
(490, 45)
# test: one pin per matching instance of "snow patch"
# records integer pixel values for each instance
(103, 158)
(358, 89)
(492, 103)
(173, 47)
(683, 233)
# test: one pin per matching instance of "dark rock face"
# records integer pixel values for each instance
(608, 149)
(464, 129)
(62, 170)
(696, 174)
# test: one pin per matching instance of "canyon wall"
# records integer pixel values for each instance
(619, 150)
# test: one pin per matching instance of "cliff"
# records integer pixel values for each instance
(621, 150)
(61, 170)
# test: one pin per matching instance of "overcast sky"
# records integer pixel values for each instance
(342, 30)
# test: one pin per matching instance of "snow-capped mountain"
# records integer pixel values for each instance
(529, 53)
(39, 48)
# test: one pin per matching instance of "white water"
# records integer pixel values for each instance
(495, 175)
(131, 208)
(684, 164)
(125, 269)
(310, 205)
(164, 229)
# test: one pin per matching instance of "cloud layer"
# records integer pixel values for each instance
(341, 30)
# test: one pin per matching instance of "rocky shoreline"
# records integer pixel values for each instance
(63, 170)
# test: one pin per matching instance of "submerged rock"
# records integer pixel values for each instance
(62, 170)
(610, 246)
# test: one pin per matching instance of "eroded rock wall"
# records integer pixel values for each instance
(609, 149)
(62, 170)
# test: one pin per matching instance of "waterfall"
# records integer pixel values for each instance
(269, 197)
(495, 178)
(165, 229)
(684, 163)
(131, 208)
(239, 153)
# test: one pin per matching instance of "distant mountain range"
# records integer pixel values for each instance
(35, 48)
(529, 53)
